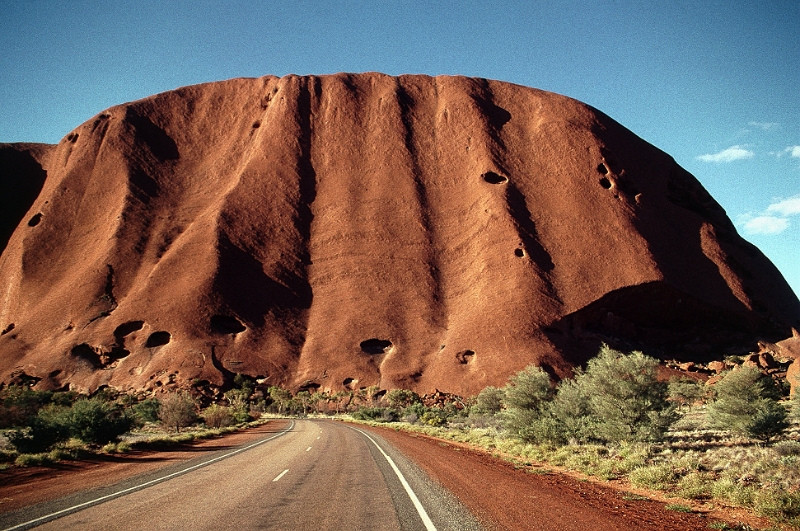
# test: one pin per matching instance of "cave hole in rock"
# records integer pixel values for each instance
(494, 178)
(87, 353)
(54, 373)
(256, 124)
(128, 328)
(35, 220)
(311, 387)
(157, 339)
(465, 356)
(519, 253)
(349, 383)
(602, 168)
(226, 324)
(7, 329)
(605, 183)
(118, 352)
(376, 346)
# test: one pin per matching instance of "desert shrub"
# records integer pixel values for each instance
(97, 421)
(794, 405)
(695, 485)
(216, 416)
(777, 503)
(413, 412)
(567, 417)
(684, 391)
(402, 398)
(489, 401)
(625, 397)
(146, 410)
(524, 396)
(787, 448)
(658, 476)
(43, 431)
(177, 410)
(376, 414)
(434, 417)
(728, 489)
(746, 402)
(18, 403)
(37, 459)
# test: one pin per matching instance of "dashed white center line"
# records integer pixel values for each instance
(308, 449)
(281, 475)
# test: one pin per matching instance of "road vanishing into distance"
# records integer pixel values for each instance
(323, 474)
(312, 474)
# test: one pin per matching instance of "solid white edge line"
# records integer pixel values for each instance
(279, 476)
(417, 504)
(74, 508)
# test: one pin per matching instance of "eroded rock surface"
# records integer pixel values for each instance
(417, 232)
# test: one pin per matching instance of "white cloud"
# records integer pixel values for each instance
(728, 155)
(768, 225)
(793, 151)
(764, 126)
(785, 207)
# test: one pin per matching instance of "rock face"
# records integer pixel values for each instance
(352, 230)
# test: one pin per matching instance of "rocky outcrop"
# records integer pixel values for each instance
(355, 230)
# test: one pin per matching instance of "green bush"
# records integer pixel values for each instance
(746, 402)
(376, 414)
(567, 417)
(489, 401)
(19, 403)
(625, 397)
(97, 421)
(146, 410)
(523, 398)
(44, 430)
(402, 398)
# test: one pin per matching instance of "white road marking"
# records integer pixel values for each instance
(74, 508)
(417, 504)
(279, 476)
(308, 449)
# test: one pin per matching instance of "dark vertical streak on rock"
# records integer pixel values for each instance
(406, 103)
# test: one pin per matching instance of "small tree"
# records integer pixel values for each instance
(526, 393)
(280, 398)
(746, 402)
(238, 400)
(177, 410)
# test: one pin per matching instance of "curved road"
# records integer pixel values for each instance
(317, 474)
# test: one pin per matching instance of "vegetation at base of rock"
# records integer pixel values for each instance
(746, 402)
(661, 436)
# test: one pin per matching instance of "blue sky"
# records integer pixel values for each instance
(714, 84)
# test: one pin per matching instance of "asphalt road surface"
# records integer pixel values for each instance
(317, 474)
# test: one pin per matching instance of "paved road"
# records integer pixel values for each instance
(318, 474)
